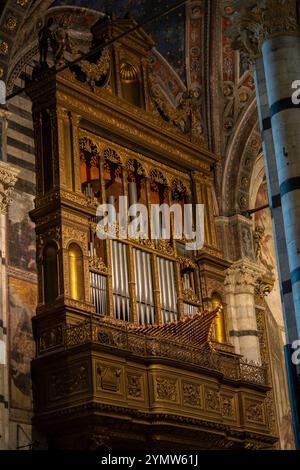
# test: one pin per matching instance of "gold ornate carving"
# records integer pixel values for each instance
(112, 155)
(22, 3)
(157, 176)
(73, 379)
(11, 23)
(227, 406)
(125, 156)
(190, 297)
(187, 263)
(212, 400)
(128, 72)
(72, 233)
(108, 378)
(186, 116)
(134, 385)
(3, 47)
(166, 389)
(113, 119)
(254, 411)
(50, 338)
(98, 265)
(95, 72)
(138, 167)
(192, 394)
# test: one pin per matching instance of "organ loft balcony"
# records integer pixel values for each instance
(132, 342)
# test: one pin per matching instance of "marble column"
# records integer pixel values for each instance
(240, 284)
(268, 33)
(275, 201)
(8, 178)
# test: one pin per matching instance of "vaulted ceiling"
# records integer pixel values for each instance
(192, 52)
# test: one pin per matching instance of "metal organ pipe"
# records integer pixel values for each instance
(167, 289)
(144, 286)
(120, 280)
(97, 287)
(132, 193)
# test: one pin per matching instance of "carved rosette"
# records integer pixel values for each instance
(253, 22)
(8, 179)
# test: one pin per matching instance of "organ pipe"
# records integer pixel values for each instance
(76, 272)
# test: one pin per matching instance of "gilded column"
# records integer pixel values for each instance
(8, 178)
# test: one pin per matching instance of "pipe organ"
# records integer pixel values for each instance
(139, 266)
(113, 313)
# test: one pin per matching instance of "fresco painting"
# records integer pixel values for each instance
(22, 305)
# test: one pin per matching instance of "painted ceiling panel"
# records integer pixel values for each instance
(168, 32)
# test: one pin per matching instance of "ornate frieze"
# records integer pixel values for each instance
(69, 381)
(212, 400)
(134, 385)
(191, 394)
(254, 411)
(227, 406)
(255, 21)
(166, 389)
(108, 378)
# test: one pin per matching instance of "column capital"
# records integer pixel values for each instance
(4, 114)
(242, 277)
(8, 179)
(255, 21)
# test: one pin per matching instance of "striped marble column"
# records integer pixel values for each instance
(281, 59)
(275, 201)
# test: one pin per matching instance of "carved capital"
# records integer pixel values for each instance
(264, 286)
(254, 21)
(242, 277)
(8, 179)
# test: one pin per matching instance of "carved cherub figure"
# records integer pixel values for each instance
(60, 44)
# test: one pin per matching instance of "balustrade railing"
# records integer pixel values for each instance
(123, 336)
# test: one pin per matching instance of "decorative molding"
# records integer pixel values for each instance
(191, 394)
(108, 378)
(74, 379)
(212, 400)
(134, 385)
(254, 411)
(166, 389)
